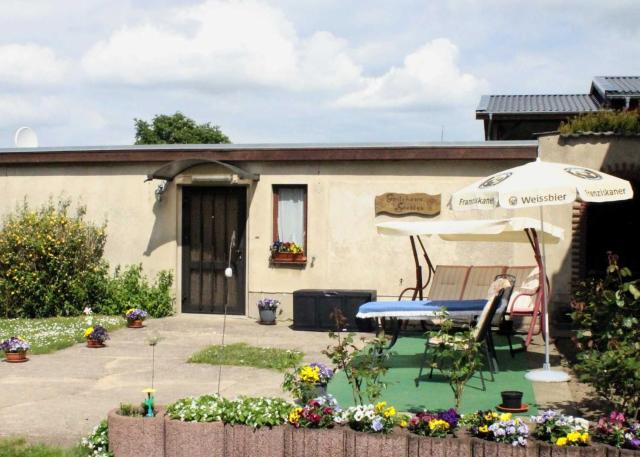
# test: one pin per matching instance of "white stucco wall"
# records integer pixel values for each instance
(344, 251)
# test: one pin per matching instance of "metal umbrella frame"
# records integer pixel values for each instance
(516, 229)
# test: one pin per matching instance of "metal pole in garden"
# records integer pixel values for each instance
(228, 273)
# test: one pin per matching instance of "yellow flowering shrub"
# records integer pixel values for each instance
(50, 261)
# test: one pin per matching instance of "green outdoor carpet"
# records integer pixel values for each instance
(435, 393)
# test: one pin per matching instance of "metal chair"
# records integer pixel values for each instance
(481, 334)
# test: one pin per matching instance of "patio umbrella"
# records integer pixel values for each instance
(537, 184)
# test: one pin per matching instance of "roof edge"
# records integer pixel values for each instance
(241, 153)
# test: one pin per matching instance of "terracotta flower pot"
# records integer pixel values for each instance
(282, 256)
(16, 357)
(94, 344)
(134, 323)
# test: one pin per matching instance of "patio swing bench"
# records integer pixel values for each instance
(462, 289)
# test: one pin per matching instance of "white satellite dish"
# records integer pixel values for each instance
(25, 137)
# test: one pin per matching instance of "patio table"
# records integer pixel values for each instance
(420, 310)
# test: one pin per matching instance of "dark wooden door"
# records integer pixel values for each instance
(213, 218)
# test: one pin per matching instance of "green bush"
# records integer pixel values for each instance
(51, 264)
(50, 261)
(619, 122)
(607, 314)
(129, 288)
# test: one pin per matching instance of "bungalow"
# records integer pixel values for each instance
(199, 210)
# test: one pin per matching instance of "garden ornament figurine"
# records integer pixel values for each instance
(148, 402)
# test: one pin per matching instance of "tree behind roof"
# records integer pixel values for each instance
(177, 129)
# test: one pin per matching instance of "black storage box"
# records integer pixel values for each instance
(312, 308)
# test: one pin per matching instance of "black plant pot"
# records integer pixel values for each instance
(511, 399)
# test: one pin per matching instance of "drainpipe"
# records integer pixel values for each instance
(627, 102)
(488, 135)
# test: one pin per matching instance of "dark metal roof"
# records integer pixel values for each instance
(617, 86)
(537, 104)
(232, 153)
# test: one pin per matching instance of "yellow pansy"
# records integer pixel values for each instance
(389, 412)
(483, 429)
(310, 374)
(381, 405)
(88, 332)
(561, 441)
(504, 417)
(294, 415)
(403, 423)
(438, 424)
(584, 437)
(488, 416)
(573, 437)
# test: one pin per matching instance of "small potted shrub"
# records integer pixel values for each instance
(555, 428)
(501, 428)
(308, 381)
(267, 308)
(96, 335)
(15, 349)
(134, 317)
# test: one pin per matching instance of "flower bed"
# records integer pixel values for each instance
(214, 426)
(131, 436)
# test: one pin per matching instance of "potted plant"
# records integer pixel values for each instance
(371, 419)
(96, 335)
(287, 251)
(556, 428)
(267, 308)
(134, 317)
(15, 349)
(498, 427)
(618, 431)
(439, 424)
(308, 381)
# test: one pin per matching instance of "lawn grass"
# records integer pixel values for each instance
(18, 447)
(241, 354)
(54, 333)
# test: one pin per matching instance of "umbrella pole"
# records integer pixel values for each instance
(545, 298)
(545, 374)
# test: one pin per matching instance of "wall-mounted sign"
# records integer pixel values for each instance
(397, 204)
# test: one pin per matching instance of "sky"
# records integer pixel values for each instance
(296, 71)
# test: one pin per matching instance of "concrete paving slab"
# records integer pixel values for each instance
(57, 398)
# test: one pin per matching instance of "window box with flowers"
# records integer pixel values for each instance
(287, 252)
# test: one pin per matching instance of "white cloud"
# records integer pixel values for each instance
(221, 45)
(29, 64)
(429, 77)
(47, 110)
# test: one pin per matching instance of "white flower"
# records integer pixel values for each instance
(581, 423)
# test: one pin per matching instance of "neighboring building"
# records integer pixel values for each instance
(321, 196)
(521, 117)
